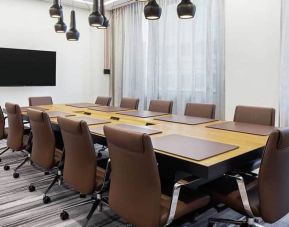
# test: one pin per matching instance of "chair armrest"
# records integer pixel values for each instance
(243, 192)
(175, 196)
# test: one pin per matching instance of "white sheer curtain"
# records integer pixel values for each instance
(128, 58)
(179, 60)
(284, 72)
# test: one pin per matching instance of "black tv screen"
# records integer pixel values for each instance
(27, 67)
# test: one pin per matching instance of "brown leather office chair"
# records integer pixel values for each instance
(135, 187)
(255, 115)
(200, 110)
(265, 196)
(129, 103)
(17, 139)
(45, 154)
(38, 101)
(103, 101)
(80, 170)
(161, 106)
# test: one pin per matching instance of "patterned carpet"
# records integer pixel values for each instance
(19, 207)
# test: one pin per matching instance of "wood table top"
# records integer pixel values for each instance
(245, 142)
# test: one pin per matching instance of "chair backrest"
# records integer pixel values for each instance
(200, 110)
(129, 103)
(16, 127)
(135, 188)
(80, 160)
(161, 106)
(273, 181)
(104, 101)
(38, 101)
(43, 140)
(255, 115)
(2, 124)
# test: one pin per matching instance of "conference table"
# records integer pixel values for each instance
(243, 147)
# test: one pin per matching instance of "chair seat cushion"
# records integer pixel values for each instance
(100, 175)
(225, 190)
(189, 201)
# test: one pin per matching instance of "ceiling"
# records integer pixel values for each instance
(87, 4)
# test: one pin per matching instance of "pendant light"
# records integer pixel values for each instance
(55, 10)
(60, 26)
(72, 34)
(152, 10)
(186, 9)
(95, 18)
(105, 23)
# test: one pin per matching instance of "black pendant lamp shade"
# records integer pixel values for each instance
(186, 9)
(152, 10)
(95, 18)
(55, 10)
(72, 34)
(60, 26)
(105, 23)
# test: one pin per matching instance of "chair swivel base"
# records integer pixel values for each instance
(64, 215)
(48, 176)
(22, 160)
(3, 150)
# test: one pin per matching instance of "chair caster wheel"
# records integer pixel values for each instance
(46, 173)
(245, 225)
(211, 225)
(64, 215)
(82, 196)
(46, 199)
(6, 167)
(31, 188)
(15, 175)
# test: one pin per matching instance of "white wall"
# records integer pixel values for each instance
(26, 24)
(252, 53)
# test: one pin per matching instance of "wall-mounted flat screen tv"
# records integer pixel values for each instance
(27, 67)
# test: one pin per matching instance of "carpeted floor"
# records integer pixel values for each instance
(19, 207)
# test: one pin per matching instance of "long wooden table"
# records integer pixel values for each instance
(249, 146)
